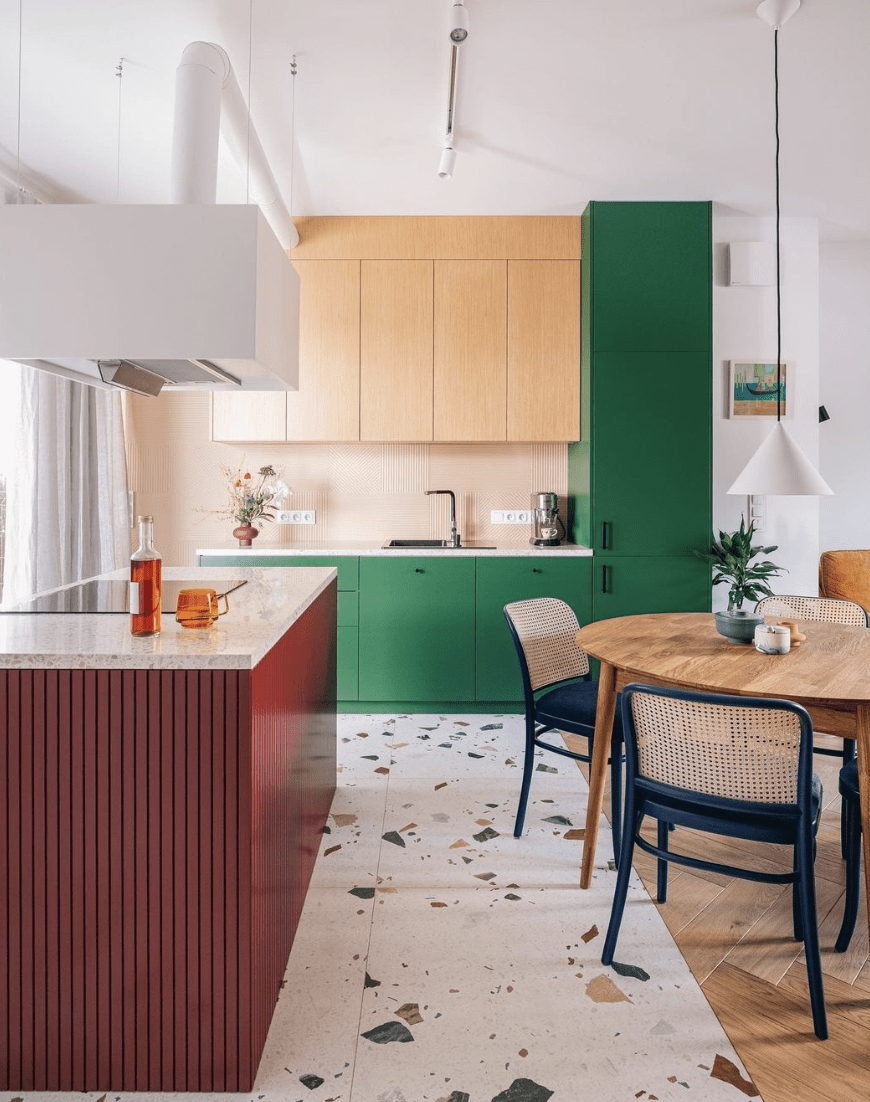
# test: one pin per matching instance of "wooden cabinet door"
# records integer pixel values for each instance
(326, 406)
(500, 581)
(396, 350)
(255, 416)
(470, 350)
(635, 585)
(651, 452)
(543, 363)
(416, 629)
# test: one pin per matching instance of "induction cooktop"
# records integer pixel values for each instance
(113, 596)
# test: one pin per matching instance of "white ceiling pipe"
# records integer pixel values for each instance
(204, 77)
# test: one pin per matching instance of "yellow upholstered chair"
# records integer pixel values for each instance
(845, 576)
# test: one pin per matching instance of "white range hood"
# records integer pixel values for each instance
(189, 294)
(176, 289)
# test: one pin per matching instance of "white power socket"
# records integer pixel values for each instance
(295, 516)
(510, 516)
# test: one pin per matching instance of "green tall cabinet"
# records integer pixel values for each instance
(640, 477)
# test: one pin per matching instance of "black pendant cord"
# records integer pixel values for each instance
(778, 303)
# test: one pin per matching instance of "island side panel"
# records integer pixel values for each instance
(293, 771)
(158, 837)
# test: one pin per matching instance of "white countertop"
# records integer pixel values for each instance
(373, 547)
(260, 612)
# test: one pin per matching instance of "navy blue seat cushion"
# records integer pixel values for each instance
(576, 701)
(849, 780)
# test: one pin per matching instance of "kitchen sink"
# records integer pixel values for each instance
(434, 545)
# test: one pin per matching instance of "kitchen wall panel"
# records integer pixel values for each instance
(359, 491)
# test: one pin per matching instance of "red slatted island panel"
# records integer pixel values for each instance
(159, 832)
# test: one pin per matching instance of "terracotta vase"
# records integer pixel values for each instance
(246, 534)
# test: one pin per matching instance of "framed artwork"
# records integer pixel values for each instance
(753, 389)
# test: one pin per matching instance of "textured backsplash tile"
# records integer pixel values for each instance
(359, 491)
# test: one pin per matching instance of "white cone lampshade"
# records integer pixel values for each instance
(780, 467)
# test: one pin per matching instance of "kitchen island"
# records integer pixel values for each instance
(164, 801)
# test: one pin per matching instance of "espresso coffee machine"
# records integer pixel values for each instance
(545, 521)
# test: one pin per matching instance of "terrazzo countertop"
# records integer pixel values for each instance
(373, 547)
(260, 612)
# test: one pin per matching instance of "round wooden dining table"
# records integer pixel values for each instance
(829, 674)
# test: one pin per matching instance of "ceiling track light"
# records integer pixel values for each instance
(458, 24)
(457, 21)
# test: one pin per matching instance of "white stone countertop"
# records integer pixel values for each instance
(373, 547)
(260, 612)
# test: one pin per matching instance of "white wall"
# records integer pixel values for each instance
(844, 343)
(744, 328)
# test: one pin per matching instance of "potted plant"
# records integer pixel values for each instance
(731, 558)
(250, 498)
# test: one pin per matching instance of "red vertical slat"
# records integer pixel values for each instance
(171, 733)
(76, 690)
(10, 681)
(53, 837)
(41, 961)
(25, 901)
(128, 874)
(184, 709)
(231, 883)
(218, 901)
(204, 857)
(12, 916)
(103, 885)
(193, 1008)
(143, 681)
(85, 701)
(151, 830)
(240, 1074)
(65, 867)
(114, 797)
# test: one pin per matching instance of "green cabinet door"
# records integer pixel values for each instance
(651, 277)
(502, 580)
(625, 586)
(416, 624)
(651, 452)
(347, 636)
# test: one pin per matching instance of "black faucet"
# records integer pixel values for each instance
(454, 535)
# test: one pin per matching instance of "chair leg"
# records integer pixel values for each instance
(662, 829)
(528, 766)
(807, 897)
(853, 875)
(616, 796)
(849, 754)
(632, 825)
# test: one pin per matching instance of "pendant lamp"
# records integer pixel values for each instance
(779, 466)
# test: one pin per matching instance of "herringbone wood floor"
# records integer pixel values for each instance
(737, 938)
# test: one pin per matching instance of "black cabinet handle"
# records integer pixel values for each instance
(605, 535)
(419, 570)
(536, 570)
(605, 579)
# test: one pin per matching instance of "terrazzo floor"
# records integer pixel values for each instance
(439, 959)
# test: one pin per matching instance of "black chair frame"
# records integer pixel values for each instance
(785, 824)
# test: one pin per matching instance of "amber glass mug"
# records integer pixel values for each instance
(198, 608)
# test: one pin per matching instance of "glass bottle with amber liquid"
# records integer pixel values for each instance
(145, 582)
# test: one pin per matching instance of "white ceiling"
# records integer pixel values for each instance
(560, 101)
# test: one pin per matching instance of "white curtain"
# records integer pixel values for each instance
(67, 511)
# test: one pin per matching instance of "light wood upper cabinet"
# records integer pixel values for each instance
(326, 406)
(470, 349)
(257, 416)
(543, 350)
(396, 350)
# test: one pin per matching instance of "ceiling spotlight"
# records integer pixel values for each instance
(458, 21)
(445, 165)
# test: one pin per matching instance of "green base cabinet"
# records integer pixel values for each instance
(500, 581)
(624, 585)
(416, 621)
